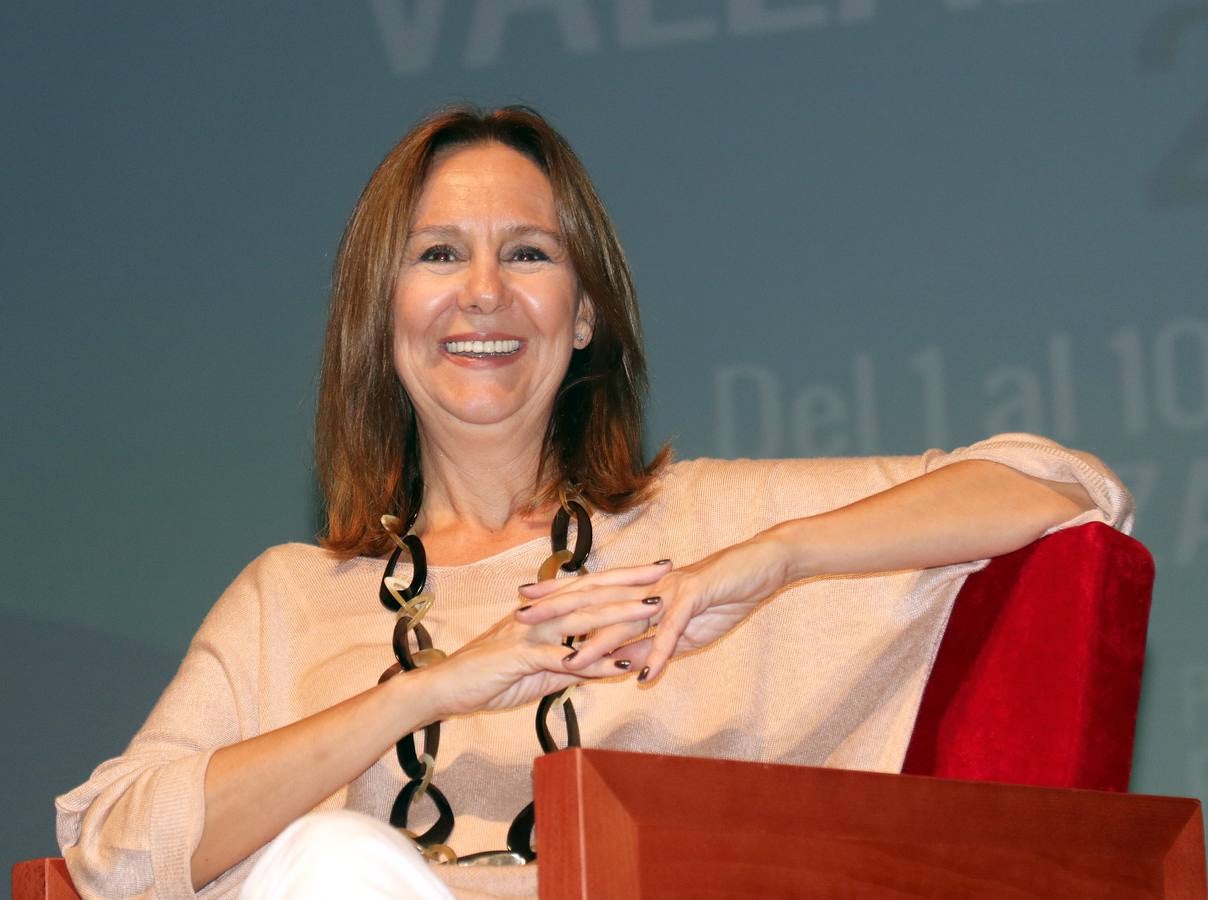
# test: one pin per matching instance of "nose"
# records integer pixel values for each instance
(484, 291)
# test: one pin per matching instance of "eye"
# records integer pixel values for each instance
(529, 254)
(440, 253)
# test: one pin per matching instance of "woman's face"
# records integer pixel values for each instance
(487, 304)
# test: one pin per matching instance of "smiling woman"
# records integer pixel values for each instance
(484, 264)
(489, 228)
(482, 389)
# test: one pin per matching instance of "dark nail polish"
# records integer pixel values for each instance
(652, 601)
(661, 562)
(644, 674)
(622, 664)
(523, 608)
(570, 656)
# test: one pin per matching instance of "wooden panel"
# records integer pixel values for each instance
(42, 879)
(619, 824)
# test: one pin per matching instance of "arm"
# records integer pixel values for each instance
(967, 507)
(201, 787)
(254, 788)
(969, 510)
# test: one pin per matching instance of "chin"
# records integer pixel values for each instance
(482, 418)
(485, 413)
(486, 408)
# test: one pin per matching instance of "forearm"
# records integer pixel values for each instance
(255, 788)
(969, 510)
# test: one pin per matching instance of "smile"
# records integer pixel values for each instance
(481, 348)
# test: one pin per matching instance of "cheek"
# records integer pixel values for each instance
(413, 312)
(555, 304)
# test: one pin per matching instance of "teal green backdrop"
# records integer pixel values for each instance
(857, 226)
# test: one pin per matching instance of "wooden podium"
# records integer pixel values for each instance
(629, 825)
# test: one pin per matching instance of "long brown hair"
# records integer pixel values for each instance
(367, 448)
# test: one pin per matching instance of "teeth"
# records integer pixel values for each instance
(482, 348)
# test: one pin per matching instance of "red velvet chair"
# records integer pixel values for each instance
(1038, 677)
(1036, 681)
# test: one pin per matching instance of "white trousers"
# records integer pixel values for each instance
(341, 853)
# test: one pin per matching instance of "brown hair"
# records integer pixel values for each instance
(367, 447)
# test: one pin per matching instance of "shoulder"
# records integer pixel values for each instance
(307, 563)
(821, 482)
(724, 500)
(283, 577)
(298, 557)
(714, 477)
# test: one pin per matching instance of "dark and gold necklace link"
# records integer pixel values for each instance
(410, 602)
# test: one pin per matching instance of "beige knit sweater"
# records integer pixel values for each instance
(828, 672)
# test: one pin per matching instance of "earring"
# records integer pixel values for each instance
(580, 337)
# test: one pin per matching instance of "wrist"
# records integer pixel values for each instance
(415, 699)
(794, 548)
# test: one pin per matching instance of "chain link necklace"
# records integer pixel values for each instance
(411, 602)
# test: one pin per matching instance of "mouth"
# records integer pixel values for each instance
(477, 349)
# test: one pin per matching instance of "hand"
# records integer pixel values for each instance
(691, 606)
(514, 662)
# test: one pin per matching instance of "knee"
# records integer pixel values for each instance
(339, 831)
(341, 853)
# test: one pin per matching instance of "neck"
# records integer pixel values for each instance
(479, 496)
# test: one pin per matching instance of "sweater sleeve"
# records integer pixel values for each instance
(1042, 458)
(806, 487)
(131, 829)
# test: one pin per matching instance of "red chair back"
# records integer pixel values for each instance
(1038, 677)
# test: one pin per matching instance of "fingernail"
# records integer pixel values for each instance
(622, 664)
(570, 656)
(661, 562)
(652, 601)
(529, 584)
(642, 675)
(523, 608)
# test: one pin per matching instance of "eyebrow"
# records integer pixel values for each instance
(512, 230)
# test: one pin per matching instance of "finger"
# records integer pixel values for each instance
(553, 658)
(626, 659)
(611, 641)
(638, 653)
(662, 645)
(593, 618)
(629, 659)
(628, 575)
(564, 604)
(611, 667)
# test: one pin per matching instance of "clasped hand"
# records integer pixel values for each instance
(650, 613)
(635, 618)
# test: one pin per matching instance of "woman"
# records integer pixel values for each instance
(482, 376)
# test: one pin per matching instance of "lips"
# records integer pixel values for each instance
(482, 348)
(498, 346)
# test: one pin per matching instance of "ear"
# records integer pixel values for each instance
(585, 321)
